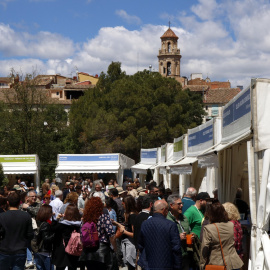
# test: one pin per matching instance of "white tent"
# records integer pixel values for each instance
(199, 140)
(148, 161)
(259, 175)
(21, 164)
(94, 163)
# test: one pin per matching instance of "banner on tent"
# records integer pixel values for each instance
(200, 138)
(149, 156)
(163, 153)
(88, 158)
(236, 117)
(178, 148)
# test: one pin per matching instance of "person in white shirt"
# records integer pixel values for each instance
(57, 203)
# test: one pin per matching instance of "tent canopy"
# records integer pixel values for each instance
(92, 163)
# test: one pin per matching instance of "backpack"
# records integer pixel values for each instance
(89, 235)
(36, 242)
(74, 246)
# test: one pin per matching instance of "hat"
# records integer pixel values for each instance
(110, 187)
(17, 187)
(120, 190)
(202, 196)
(140, 189)
(67, 183)
(141, 194)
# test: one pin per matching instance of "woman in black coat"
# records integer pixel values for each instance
(45, 237)
(63, 229)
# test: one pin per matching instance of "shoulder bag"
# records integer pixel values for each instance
(217, 267)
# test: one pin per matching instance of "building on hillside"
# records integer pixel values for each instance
(85, 77)
(5, 82)
(197, 79)
(213, 99)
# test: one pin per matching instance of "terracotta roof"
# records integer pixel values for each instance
(5, 79)
(196, 88)
(169, 34)
(220, 95)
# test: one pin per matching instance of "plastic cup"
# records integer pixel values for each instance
(189, 239)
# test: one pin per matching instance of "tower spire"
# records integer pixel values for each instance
(169, 24)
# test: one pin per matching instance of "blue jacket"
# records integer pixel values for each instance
(160, 242)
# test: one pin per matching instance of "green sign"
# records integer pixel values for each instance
(163, 150)
(17, 159)
(178, 146)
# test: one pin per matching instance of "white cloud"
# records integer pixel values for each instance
(42, 45)
(235, 47)
(206, 9)
(131, 19)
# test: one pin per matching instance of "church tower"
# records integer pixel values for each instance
(169, 55)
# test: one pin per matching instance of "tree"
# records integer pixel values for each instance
(31, 123)
(123, 113)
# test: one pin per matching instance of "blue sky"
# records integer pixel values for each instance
(222, 39)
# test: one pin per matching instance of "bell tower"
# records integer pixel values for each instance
(169, 55)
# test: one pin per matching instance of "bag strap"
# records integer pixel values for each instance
(221, 246)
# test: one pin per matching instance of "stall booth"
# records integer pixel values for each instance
(21, 166)
(148, 162)
(199, 140)
(258, 152)
(94, 163)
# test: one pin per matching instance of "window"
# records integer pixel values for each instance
(57, 93)
(164, 70)
(168, 68)
(214, 110)
(169, 47)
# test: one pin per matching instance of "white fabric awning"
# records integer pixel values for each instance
(19, 170)
(141, 168)
(210, 157)
(87, 169)
(183, 166)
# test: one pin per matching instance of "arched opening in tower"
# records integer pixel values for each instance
(168, 68)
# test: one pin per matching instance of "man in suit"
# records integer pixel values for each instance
(160, 241)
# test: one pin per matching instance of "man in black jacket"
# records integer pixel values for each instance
(17, 227)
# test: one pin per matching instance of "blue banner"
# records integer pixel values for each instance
(89, 158)
(149, 154)
(200, 136)
(236, 110)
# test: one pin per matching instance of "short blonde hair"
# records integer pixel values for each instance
(232, 211)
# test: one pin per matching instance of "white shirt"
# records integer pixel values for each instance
(56, 205)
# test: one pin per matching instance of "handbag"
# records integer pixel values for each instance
(217, 267)
(118, 233)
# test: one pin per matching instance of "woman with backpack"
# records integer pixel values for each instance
(63, 231)
(96, 218)
(44, 238)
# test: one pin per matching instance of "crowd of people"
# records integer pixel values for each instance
(138, 227)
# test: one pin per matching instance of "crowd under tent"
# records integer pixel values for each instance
(94, 164)
(23, 166)
(147, 162)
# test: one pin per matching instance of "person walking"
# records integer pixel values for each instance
(195, 213)
(218, 239)
(17, 231)
(45, 237)
(101, 258)
(62, 230)
(175, 215)
(159, 239)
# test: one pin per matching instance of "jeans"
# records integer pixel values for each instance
(43, 262)
(14, 262)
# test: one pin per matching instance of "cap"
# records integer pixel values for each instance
(17, 187)
(142, 194)
(203, 196)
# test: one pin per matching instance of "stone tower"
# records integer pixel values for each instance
(169, 55)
